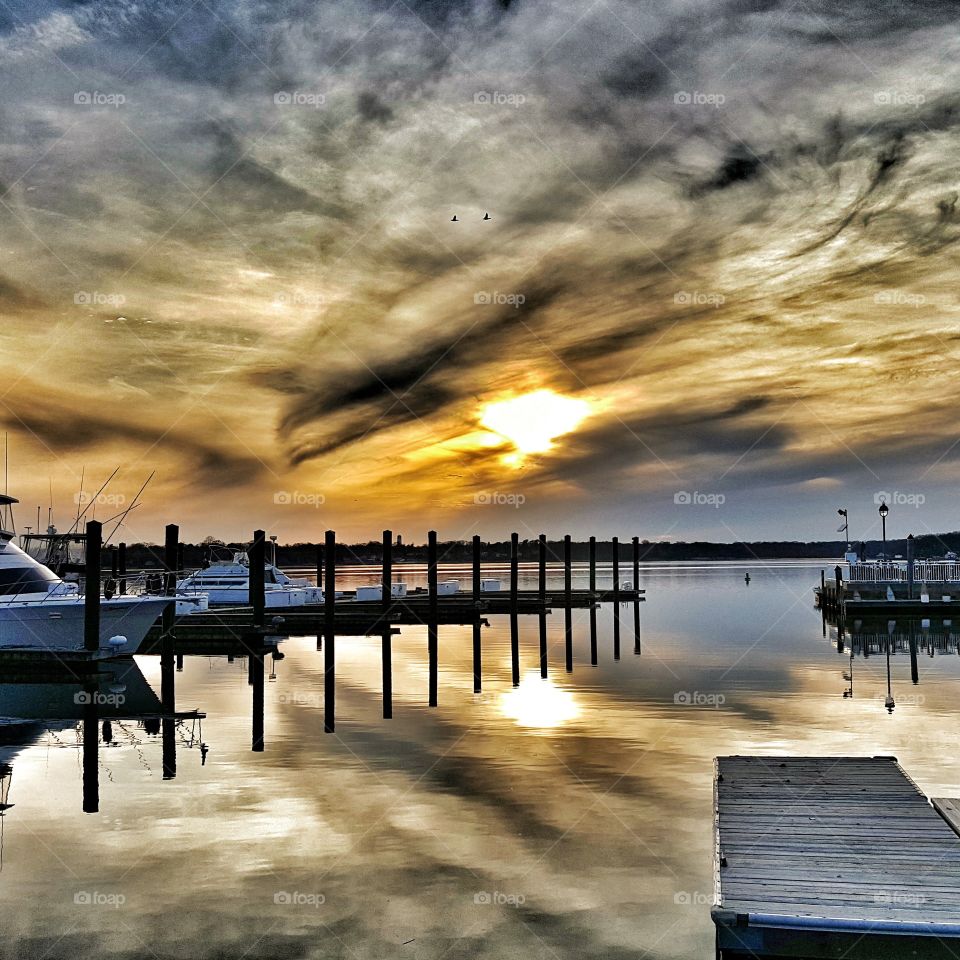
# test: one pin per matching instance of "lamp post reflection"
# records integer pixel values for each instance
(889, 702)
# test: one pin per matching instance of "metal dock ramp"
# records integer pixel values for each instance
(831, 857)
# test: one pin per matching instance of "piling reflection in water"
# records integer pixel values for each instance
(865, 638)
(256, 661)
(91, 767)
(36, 701)
(514, 620)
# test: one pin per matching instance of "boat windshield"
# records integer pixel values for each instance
(28, 577)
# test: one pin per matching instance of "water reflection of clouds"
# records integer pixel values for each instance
(599, 822)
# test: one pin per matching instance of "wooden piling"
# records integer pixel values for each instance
(514, 623)
(914, 665)
(616, 597)
(91, 764)
(257, 557)
(386, 575)
(594, 660)
(593, 564)
(168, 723)
(320, 585)
(567, 614)
(432, 640)
(91, 597)
(909, 567)
(256, 659)
(171, 541)
(386, 640)
(168, 749)
(636, 603)
(122, 568)
(329, 652)
(477, 651)
(615, 544)
(542, 588)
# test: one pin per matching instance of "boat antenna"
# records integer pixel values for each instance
(76, 522)
(96, 496)
(120, 516)
(8, 508)
(133, 504)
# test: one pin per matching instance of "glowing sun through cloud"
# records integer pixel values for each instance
(539, 703)
(532, 421)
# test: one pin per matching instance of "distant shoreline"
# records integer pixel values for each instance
(460, 551)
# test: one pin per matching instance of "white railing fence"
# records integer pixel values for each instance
(924, 571)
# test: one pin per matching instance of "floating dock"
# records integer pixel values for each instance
(919, 588)
(832, 857)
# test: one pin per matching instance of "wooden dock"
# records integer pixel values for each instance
(837, 597)
(254, 630)
(832, 857)
(935, 606)
(367, 617)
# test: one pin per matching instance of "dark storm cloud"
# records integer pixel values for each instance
(371, 107)
(645, 70)
(65, 430)
(611, 449)
(13, 297)
(404, 390)
(242, 182)
(738, 166)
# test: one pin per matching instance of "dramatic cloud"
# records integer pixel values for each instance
(229, 253)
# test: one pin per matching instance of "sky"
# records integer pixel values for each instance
(714, 295)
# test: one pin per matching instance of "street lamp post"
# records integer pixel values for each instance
(884, 510)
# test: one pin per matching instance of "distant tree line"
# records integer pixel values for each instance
(461, 551)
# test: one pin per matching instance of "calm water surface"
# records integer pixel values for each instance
(569, 818)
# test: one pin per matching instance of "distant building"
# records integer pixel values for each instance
(399, 540)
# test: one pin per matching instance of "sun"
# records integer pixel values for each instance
(532, 421)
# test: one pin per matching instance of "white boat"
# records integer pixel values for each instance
(41, 612)
(227, 583)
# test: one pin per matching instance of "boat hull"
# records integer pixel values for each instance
(239, 596)
(58, 626)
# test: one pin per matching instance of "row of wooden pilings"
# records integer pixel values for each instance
(326, 572)
(326, 575)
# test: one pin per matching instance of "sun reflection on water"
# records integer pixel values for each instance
(539, 702)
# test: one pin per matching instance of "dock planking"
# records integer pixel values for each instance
(831, 857)
(949, 809)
